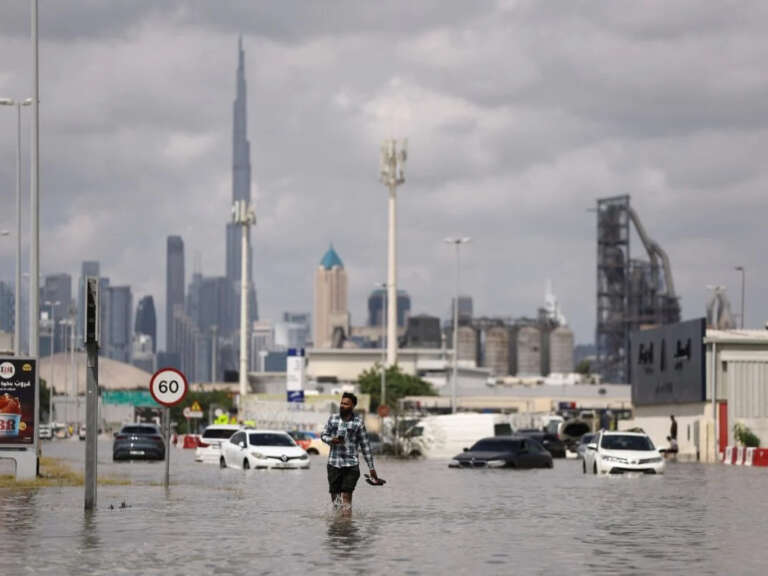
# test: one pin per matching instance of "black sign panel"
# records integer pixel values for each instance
(668, 364)
(18, 387)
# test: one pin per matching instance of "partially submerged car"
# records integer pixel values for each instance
(622, 452)
(209, 447)
(504, 452)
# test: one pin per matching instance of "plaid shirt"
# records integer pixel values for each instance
(344, 455)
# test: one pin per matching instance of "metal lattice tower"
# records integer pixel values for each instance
(631, 293)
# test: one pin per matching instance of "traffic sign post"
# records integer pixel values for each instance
(168, 387)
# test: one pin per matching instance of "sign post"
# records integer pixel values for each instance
(168, 387)
(92, 388)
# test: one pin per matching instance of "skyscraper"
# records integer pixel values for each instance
(174, 286)
(120, 340)
(56, 294)
(376, 307)
(241, 190)
(331, 315)
(146, 322)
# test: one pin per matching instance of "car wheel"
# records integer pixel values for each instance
(594, 469)
(583, 467)
(550, 464)
(313, 452)
(246, 464)
(222, 463)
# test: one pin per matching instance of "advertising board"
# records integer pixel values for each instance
(667, 364)
(18, 388)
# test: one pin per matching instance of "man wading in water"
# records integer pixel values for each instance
(344, 432)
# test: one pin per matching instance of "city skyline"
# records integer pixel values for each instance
(511, 138)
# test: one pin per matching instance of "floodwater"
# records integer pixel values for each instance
(428, 519)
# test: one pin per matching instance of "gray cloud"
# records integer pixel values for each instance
(519, 114)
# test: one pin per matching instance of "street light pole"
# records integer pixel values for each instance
(244, 216)
(17, 287)
(392, 174)
(383, 318)
(52, 306)
(743, 283)
(34, 207)
(458, 241)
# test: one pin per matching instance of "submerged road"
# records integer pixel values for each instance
(428, 519)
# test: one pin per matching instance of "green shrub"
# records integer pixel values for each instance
(745, 436)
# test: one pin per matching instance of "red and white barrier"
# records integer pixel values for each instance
(739, 455)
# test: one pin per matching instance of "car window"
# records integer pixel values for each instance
(270, 439)
(237, 438)
(587, 438)
(626, 442)
(139, 430)
(218, 433)
(534, 446)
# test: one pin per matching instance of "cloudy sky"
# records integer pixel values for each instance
(519, 114)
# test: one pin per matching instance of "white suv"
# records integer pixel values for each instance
(622, 452)
(209, 448)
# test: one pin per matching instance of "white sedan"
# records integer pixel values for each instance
(209, 448)
(251, 448)
(622, 452)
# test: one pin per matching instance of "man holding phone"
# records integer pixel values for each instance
(345, 432)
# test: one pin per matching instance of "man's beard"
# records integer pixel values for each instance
(343, 412)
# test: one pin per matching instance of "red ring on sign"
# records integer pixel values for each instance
(152, 390)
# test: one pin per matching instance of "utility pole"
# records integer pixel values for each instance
(455, 363)
(244, 216)
(392, 174)
(92, 392)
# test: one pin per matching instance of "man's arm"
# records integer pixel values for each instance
(365, 448)
(326, 435)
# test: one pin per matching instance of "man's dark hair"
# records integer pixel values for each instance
(350, 396)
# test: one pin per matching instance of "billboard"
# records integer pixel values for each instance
(18, 388)
(667, 364)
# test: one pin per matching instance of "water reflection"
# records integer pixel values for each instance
(345, 539)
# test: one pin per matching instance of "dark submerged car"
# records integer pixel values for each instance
(504, 452)
(551, 442)
(138, 442)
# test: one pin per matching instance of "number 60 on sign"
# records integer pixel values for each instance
(168, 386)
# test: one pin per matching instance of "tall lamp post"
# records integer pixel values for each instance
(17, 287)
(392, 174)
(457, 242)
(52, 306)
(383, 287)
(34, 204)
(243, 215)
(743, 282)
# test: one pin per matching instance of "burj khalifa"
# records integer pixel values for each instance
(241, 190)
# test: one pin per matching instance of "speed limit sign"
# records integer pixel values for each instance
(168, 386)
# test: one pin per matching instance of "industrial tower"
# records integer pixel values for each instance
(632, 294)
